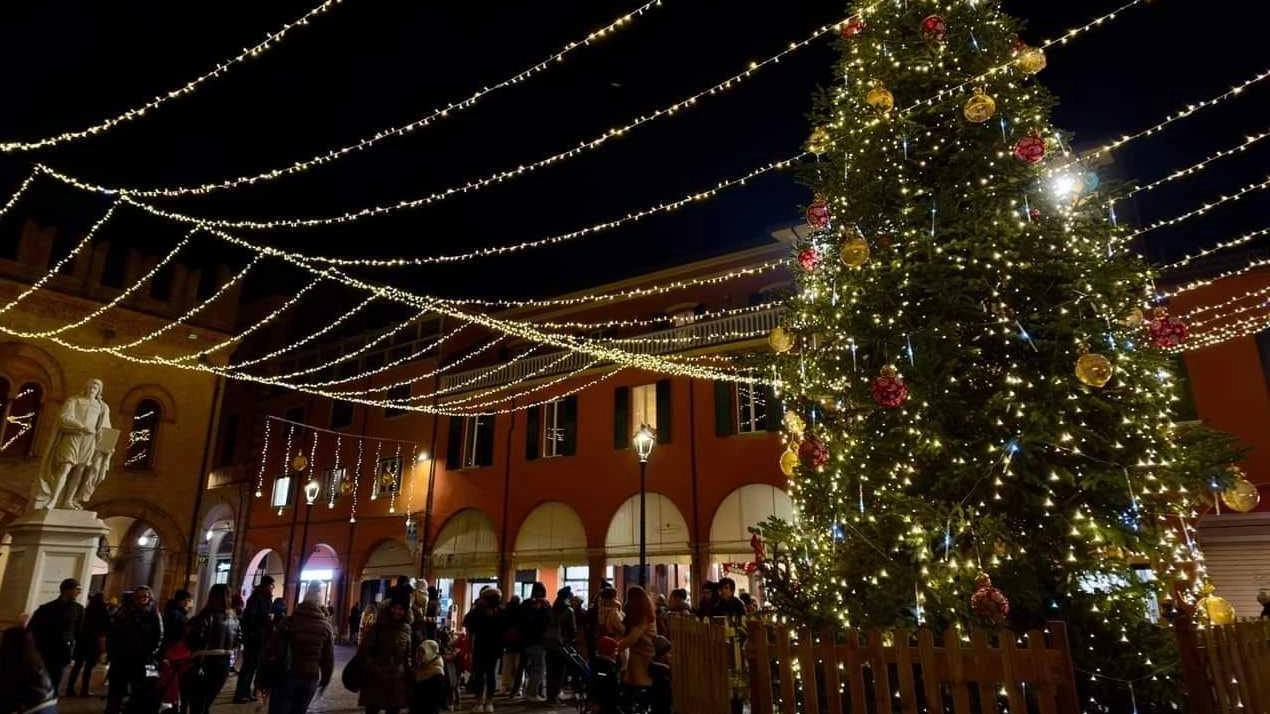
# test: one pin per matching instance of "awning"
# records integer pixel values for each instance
(666, 532)
(466, 547)
(390, 559)
(746, 507)
(551, 536)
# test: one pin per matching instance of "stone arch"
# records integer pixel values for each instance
(466, 546)
(273, 566)
(550, 535)
(666, 530)
(746, 506)
(24, 362)
(164, 524)
(156, 392)
(373, 558)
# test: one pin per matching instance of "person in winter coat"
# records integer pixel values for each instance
(311, 639)
(136, 634)
(211, 637)
(354, 622)
(513, 667)
(535, 616)
(386, 651)
(55, 627)
(641, 629)
(175, 614)
(430, 686)
(256, 625)
(25, 686)
(560, 632)
(89, 644)
(431, 614)
(485, 624)
(609, 615)
(728, 604)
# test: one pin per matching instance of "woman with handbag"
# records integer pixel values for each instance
(385, 660)
(211, 639)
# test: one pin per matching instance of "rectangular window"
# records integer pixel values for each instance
(341, 414)
(578, 577)
(478, 441)
(751, 408)
(400, 393)
(644, 406)
(228, 441)
(560, 427)
(387, 477)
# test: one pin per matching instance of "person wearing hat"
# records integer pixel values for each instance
(560, 632)
(256, 626)
(55, 627)
(430, 685)
(386, 651)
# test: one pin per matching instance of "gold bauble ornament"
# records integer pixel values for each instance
(1094, 370)
(880, 98)
(819, 141)
(980, 107)
(299, 462)
(789, 461)
(1242, 496)
(1218, 611)
(794, 424)
(1031, 60)
(780, 340)
(854, 252)
(1133, 318)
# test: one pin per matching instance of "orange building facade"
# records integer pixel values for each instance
(550, 493)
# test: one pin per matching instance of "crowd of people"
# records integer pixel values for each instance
(409, 657)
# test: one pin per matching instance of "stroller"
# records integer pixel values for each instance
(579, 672)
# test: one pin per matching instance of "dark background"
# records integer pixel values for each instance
(367, 65)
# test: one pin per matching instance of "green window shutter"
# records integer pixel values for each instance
(663, 412)
(724, 409)
(533, 432)
(485, 441)
(454, 444)
(621, 417)
(569, 425)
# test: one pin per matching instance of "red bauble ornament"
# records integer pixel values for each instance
(1165, 331)
(852, 27)
(812, 453)
(987, 602)
(1035, 213)
(934, 29)
(818, 213)
(1030, 149)
(808, 258)
(889, 389)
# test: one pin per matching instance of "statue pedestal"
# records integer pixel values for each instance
(40, 550)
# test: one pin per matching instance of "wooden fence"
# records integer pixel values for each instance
(703, 662)
(1227, 668)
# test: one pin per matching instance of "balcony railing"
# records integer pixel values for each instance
(725, 330)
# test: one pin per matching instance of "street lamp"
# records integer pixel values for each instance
(311, 491)
(644, 441)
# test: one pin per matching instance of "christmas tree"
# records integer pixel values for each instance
(977, 387)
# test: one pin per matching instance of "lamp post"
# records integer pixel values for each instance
(644, 441)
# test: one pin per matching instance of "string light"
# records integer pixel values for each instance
(26, 183)
(1226, 315)
(371, 140)
(396, 484)
(415, 378)
(268, 318)
(645, 322)
(57, 267)
(271, 40)
(1190, 314)
(580, 388)
(1205, 282)
(331, 325)
(1197, 167)
(229, 284)
(546, 368)
(1226, 198)
(496, 177)
(1224, 245)
(503, 366)
(264, 454)
(1235, 330)
(331, 486)
(357, 480)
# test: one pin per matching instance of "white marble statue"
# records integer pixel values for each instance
(79, 453)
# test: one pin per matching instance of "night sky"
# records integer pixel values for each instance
(370, 65)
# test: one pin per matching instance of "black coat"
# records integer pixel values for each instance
(55, 626)
(174, 621)
(485, 624)
(29, 685)
(256, 622)
(136, 634)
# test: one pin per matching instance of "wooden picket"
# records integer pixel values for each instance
(701, 662)
(1230, 671)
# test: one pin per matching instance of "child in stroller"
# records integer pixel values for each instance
(603, 690)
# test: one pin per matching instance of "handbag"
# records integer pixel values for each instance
(354, 674)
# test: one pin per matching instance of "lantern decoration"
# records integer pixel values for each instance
(854, 251)
(789, 461)
(1215, 608)
(852, 27)
(889, 389)
(1093, 370)
(1133, 318)
(1030, 149)
(1030, 60)
(794, 424)
(1166, 332)
(980, 107)
(1242, 495)
(780, 340)
(346, 487)
(989, 603)
(880, 98)
(808, 259)
(818, 213)
(299, 463)
(934, 28)
(812, 453)
(819, 141)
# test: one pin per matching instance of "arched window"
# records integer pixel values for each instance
(21, 414)
(143, 435)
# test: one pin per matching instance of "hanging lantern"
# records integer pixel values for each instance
(880, 98)
(980, 107)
